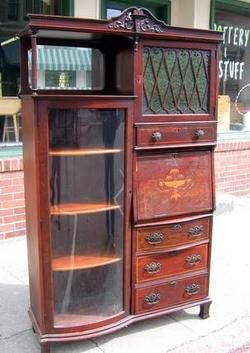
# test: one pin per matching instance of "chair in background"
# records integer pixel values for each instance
(10, 108)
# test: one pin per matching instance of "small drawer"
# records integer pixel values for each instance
(171, 293)
(174, 134)
(172, 263)
(170, 235)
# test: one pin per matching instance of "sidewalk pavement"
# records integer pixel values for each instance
(226, 331)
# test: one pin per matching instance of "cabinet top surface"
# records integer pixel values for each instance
(131, 21)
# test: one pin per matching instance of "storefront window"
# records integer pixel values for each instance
(112, 12)
(159, 8)
(12, 20)
(234, 74)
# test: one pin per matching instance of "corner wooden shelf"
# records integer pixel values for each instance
(72, 319)
(83, 262)
(81, 208)
(63, 152)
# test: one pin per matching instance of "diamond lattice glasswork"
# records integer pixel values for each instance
(175, 81)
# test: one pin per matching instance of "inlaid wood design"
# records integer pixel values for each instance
(175, 81)
(173, 183)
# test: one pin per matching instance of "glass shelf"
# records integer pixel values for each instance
(81, 208)
(83, 262)
(61, 152)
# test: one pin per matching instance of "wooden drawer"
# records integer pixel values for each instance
(170, 235)
(152, 267)
(177, 133)
(171, 293)
(171, 184)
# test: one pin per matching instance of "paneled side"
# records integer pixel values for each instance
(31, 182)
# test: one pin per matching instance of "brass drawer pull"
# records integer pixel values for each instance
(193, 259)
(156, 136)
(152, 298)
(153, 267)
(193, 289)
(196, 231)
(199, 133)
(177, 226)
(173, 284)
(154, 238)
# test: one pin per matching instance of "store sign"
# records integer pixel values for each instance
(234, 68)
(233, 37)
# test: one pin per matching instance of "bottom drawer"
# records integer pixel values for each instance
(171, 293)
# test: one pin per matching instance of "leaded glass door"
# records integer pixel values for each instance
(176, 81)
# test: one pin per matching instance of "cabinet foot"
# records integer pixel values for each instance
(204, 310)
(33, 329)
(45, 348)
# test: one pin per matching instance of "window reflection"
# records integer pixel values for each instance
(113, 13)
(68, 68)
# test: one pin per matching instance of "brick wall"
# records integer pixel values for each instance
(232, 168)
(12, 208)
(232, 175)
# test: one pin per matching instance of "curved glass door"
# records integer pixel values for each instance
(86, 153)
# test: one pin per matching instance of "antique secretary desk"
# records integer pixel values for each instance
(119, 121)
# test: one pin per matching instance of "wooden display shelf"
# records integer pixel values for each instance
(83, 262)
(81, 208)
(67, 152)
(62, 320)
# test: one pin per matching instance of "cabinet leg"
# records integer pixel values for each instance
(45, 347)
(204, 310)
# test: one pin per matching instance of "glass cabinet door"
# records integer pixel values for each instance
(86, 157)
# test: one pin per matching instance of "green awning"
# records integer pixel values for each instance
(62, 58)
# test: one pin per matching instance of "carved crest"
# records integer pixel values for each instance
(124, 21)
(138, 21)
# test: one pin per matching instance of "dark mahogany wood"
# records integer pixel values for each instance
(168, 169)
(45, 348)
(172, 184)
(204, 310)
(160, 135)
(182, 233)
(176, 262)
(131, 21)
(32, 200)
(170, 293)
